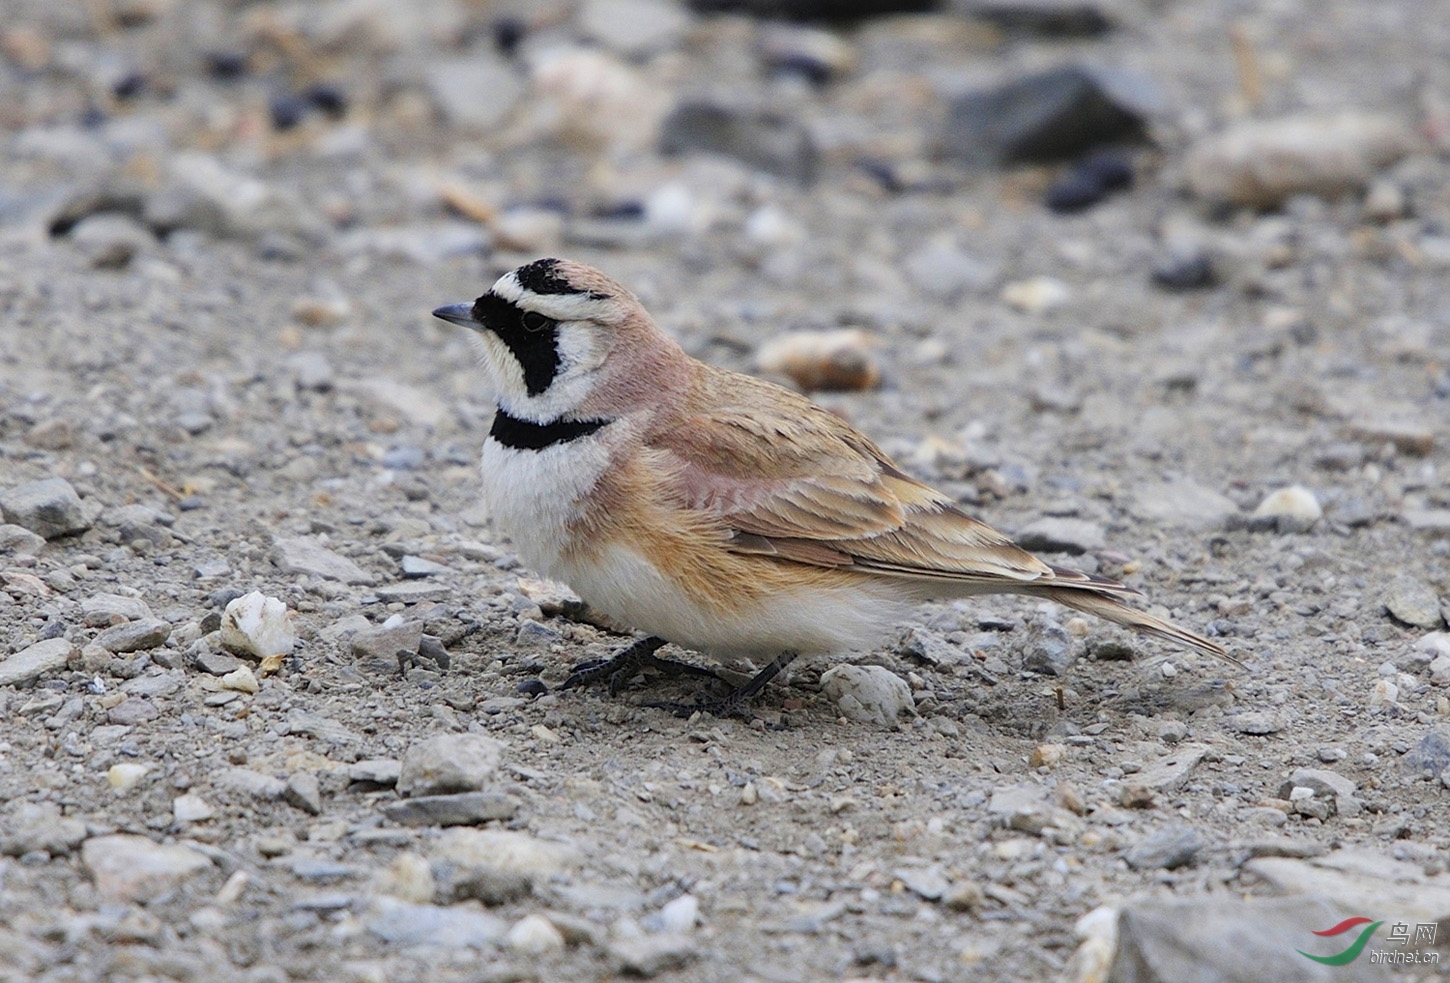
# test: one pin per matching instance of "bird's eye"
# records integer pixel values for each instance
(534, 321)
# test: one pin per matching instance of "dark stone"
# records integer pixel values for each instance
(327, 98)
(508, 33)
(462, 809)
(532, 687)
(1185, 271)
(1054, 115)
(226, 66)
(1169, 849)
(1430, 757)
(286, 111)
(129, 86)
(1049, 650)
(758, 136)
(1044, 18)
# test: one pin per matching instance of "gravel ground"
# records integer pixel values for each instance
(222, 227)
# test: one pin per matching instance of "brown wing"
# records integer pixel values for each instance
(790, 479)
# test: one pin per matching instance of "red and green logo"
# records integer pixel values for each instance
(1356, 947)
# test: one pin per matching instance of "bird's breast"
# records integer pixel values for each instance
(536, 497)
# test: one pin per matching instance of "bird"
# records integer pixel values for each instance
(712, 509)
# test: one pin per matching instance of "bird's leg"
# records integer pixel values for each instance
(630, 662)
(737, 701)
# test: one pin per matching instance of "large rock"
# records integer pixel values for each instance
(49, 508)
(868, 694)
(1052, 115)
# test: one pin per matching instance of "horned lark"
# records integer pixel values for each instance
(715, 510)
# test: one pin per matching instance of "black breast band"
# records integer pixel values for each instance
(524, 435)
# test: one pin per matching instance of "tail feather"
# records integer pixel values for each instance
(1092, 599)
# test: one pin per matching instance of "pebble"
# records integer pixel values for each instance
(379, 646)
(1384, 694)
(135, 636)
(496, 866)
(868, 694)
(304, 792)
(1435, 522)
(822, 360)
(1413, 602)
(1256, 722)
(242, 680)
(19, 540)
(191, 808)
(1407, 437)
(39, 827)
(37, 660)
(449, 763)
(459, 809)
(375, 771)
(1295, 509)
(110, 240)
(1262, 163)
(680, 915)
(49, 508)
(1049, 650)
(210, 661)
(1036, 295)
(634, 28)
(417, 566)
(1324, 784)
(403, 924)
(1168, 848)
(943, 271)
(534, 935)
(1058, 535)
(251, 783)
(1053, 115)
(456, 84)
(258, 625)
(650, 955)
(304, 555)
(1385, 201)
(413, 591)
(1182, 504)
(124, 776)
(129, 868)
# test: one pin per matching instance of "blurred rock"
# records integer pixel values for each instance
(1045, 18)
(823, 360)
(634, 28)
(458, 809)
(1050, 116)
(590, 97)
(814, 10)
(1262, 163)
(131, 868)
(1036, 295)
(496, 866)
(944, 272)
(819, 56)
(402, 924)
(1090, 180)
(1185, 269)
(762, 137)
(200, 192)
(1182, 504)
(651, 955)
(49, 508)
(476, 93)
(1168, 848)
(19, 540)
(110, 239)
(1057, 535)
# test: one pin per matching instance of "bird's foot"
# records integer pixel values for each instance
(737, 701)
(629, 663)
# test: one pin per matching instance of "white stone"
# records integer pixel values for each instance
(1384, 693)
(634, 27)
(242, 680)
(1294, 502)
(680, 914)
(258, 625)
(534, 935)
(868, 694)
(1036, 295)
(191, 808)
(123, 777)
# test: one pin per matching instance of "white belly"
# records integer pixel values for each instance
(533, 495)
(627, 587)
